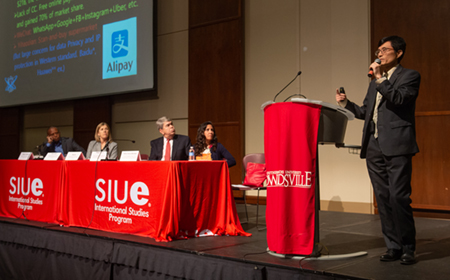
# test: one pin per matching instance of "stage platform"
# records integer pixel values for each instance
(31, 250)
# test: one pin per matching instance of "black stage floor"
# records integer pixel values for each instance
(340, 233)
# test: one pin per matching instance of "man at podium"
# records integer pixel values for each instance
(389, 143)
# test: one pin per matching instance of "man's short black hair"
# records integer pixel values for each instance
(398, 43)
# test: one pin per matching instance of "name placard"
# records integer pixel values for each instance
(75, 156)
(54, 156)
(97, 156)
(130, 156)
(26, 156)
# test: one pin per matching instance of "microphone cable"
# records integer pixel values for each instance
(95, 187)
(23, 194)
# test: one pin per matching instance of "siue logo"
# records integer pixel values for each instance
(119, 49)
(18, 186)
(139, 192)
(26, 195)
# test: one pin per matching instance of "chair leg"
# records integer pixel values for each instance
(246, 213)
(257, 213)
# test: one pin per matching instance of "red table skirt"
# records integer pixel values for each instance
(31, 189)
(162, 200)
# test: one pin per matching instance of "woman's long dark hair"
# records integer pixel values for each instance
(201, 145)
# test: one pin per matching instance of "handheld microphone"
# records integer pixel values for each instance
(298, 74)
(370, 74)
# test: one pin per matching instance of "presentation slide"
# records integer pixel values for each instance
(70, 49)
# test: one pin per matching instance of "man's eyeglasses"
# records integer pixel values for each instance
(383, 51)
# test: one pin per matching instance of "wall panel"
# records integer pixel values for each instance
(10, 123)
(216, 76)
(424, 26)
(87, 114)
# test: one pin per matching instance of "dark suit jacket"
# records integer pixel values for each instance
(221, 153)
(396, 120)
(68, 145)
(180, 149)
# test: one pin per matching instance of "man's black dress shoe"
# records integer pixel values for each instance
(408, 258)
(391, 255)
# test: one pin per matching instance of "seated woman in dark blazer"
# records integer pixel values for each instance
(103, 139)
(207, 146)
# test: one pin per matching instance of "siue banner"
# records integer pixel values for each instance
(165, 200)
(158, 199)
(31, 189)
(290, 147)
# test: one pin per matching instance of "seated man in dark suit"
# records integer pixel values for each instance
(56, 143)
(171, 146)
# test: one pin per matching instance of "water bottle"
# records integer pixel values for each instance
(191, 153)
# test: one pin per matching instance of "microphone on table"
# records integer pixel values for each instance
(298, 74)
(106, 147)
(370, 74)
(38, 148)
(117, 140)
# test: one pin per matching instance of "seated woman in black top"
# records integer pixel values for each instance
(207, 146)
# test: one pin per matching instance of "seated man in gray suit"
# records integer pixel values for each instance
(56, 143)
(170, 146)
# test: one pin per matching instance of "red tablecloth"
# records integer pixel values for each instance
(31, 189)
(162, 200)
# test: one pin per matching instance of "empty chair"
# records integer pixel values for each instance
(255, 158)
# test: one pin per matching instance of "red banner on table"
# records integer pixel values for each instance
(31, 189)
(290, 147)
(162, 200)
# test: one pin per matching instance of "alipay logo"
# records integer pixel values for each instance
(119, 49)
(119, 43)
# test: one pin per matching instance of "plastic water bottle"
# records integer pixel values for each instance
(191, 153)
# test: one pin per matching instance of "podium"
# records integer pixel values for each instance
(292, 132)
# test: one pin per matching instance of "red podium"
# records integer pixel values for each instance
(292, 131)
